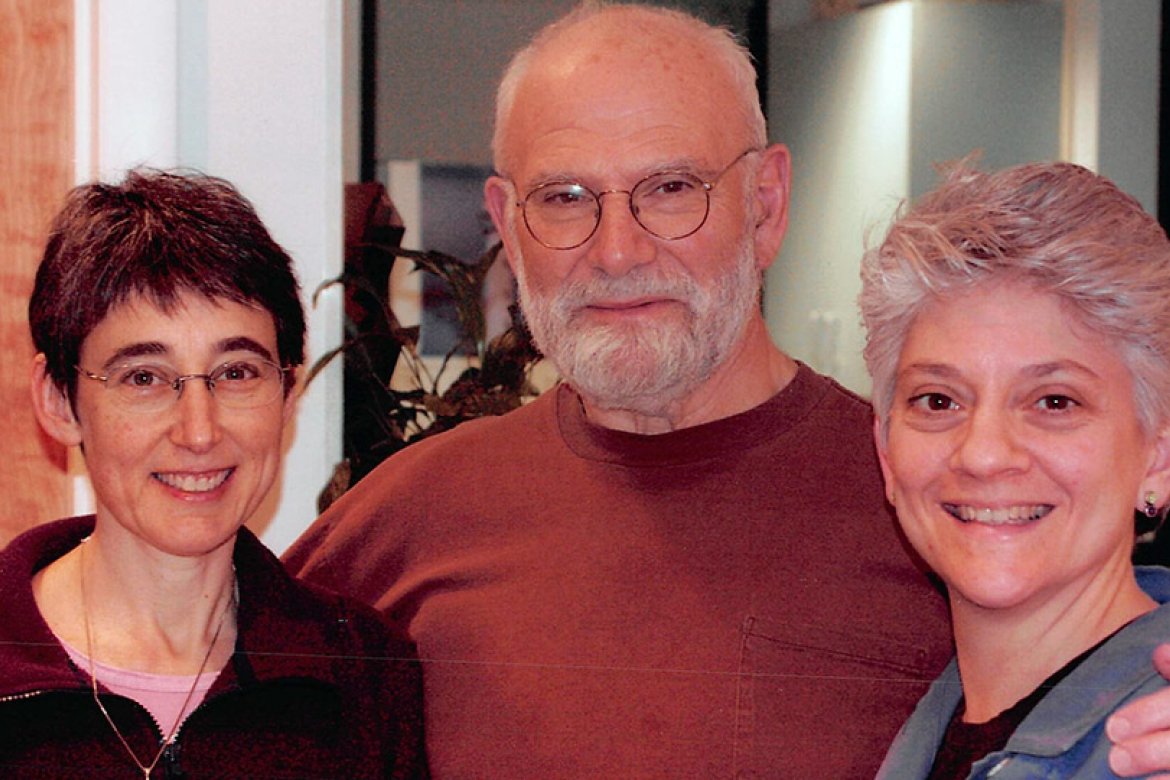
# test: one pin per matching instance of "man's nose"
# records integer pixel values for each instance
(620, 243)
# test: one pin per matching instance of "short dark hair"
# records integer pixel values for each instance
(159, 235)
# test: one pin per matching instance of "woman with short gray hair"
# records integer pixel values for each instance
(1019, 343)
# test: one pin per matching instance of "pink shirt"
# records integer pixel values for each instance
(161, 694)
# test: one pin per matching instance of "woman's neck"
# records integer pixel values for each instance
(1003, 655)
(154, 613)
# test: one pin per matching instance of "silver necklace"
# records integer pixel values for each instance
(147, 768)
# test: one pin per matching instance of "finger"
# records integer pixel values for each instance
(1142, 717)
(1162, 660)
(1135, 759)
(1141, 755)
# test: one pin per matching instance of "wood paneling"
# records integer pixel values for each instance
(36, 169)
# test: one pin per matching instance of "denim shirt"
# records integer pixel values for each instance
(1064, 736)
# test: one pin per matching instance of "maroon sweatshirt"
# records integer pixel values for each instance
(725, 600)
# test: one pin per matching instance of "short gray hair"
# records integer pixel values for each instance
(1056, 226)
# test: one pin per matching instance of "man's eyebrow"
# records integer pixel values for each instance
(679, 164)
(549, 177)
(674, 165)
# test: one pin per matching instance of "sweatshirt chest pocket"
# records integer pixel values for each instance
(828, 698)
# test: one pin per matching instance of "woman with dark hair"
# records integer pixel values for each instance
(1019, 343)
(158, 637)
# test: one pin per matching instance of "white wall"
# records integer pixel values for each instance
(839, 96)
(1128, 114)
(985, 76)
(251, 91)
(869, 101)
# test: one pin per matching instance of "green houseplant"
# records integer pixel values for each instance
(383, 416)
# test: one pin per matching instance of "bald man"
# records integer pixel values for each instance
(678, 562)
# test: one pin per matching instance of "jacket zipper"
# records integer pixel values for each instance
(171, 753)
(20, 696)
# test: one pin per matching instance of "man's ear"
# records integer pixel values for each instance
(773, 182)
(51, 405)
(498, 194)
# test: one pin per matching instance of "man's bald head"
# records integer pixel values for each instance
(598, 32)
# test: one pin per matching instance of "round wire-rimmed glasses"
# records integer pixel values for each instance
(667, 204)
(246, 383)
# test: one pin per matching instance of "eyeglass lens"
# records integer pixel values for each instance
(239, 384)
(563, 215)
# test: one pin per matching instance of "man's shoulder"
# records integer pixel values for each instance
(529, 420)
(418, 497)
(313, 604)
(839, 397)
(417, 479)
(818, 402)
(479, 443)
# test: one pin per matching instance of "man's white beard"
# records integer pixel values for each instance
(641, 367)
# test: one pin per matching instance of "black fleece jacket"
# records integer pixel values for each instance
(316, 687)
